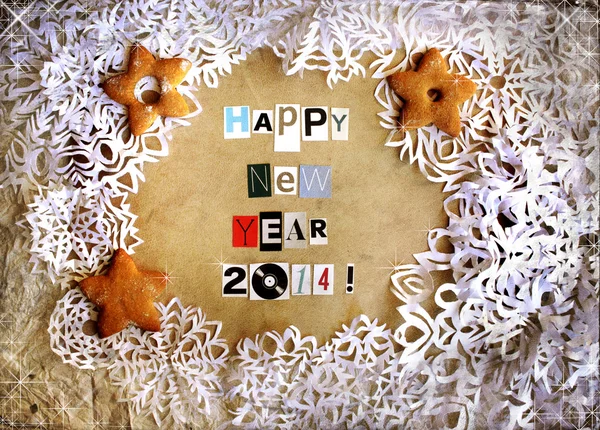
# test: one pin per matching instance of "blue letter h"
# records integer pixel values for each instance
(243, 118)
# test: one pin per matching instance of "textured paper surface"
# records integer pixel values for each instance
(380, 205)
(497, 343)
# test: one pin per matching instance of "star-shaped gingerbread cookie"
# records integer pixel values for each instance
(432, 78)
(168, 72)
(125, 295)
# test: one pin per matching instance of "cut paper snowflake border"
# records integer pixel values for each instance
(525, 194)
(286, 380)
(75, 230)
(78, 132)
(522, 176)
(176, 375)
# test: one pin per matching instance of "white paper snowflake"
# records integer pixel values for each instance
(180, 367)
(511, 342)
(74, 230)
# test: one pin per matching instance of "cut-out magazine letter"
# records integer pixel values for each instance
(262, 121)
(301, 280)
(318, 231)
(287, 128)
(235, 280)
(245, 231)
(236, 122)
(350, 278)
(323, 279)
(315, 182)
(285, 180)
(259, 180)
(271, 231)
(315, 124)
(340, 120)
(294, 230)
(269, 281)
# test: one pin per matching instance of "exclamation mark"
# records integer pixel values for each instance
(350, 278)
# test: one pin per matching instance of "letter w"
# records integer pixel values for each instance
(315, 172)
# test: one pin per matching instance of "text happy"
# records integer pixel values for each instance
(289, 123)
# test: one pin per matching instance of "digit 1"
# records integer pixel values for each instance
(301, 271)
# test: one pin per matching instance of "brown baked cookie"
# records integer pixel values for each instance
(125, 296)
(168, 72)
(446, 92)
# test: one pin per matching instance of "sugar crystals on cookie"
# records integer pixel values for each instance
(168, 73)
(125, 295)
(431, 94)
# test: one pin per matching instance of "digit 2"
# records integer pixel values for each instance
(239, 275)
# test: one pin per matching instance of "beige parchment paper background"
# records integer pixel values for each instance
(379, 213)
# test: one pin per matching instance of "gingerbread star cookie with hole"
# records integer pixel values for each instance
(125, 295)
(431, 94)
(168, 73)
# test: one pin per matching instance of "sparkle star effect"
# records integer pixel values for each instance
(167, 277)
(538, 415)
(17, 386)
(579, 23)
(11, 345)
(394, 266)
(86, 11)
(5, 322)
(63, 409)
(564, 386)
(16, 66)
(405, 126)
(63, 31)
(428, 228)
(592, 245)
(97, 424)
(511, 11)
(594, 86)
(17, 19)
(219, 261)
(20, 391)
(456, 81)
(50, 9)
(590, 416)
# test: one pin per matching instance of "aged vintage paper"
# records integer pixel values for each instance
(498, 330)
(380, 210)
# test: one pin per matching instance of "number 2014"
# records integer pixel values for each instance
(275, 281)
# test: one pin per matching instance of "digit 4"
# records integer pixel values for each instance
(323, 279)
